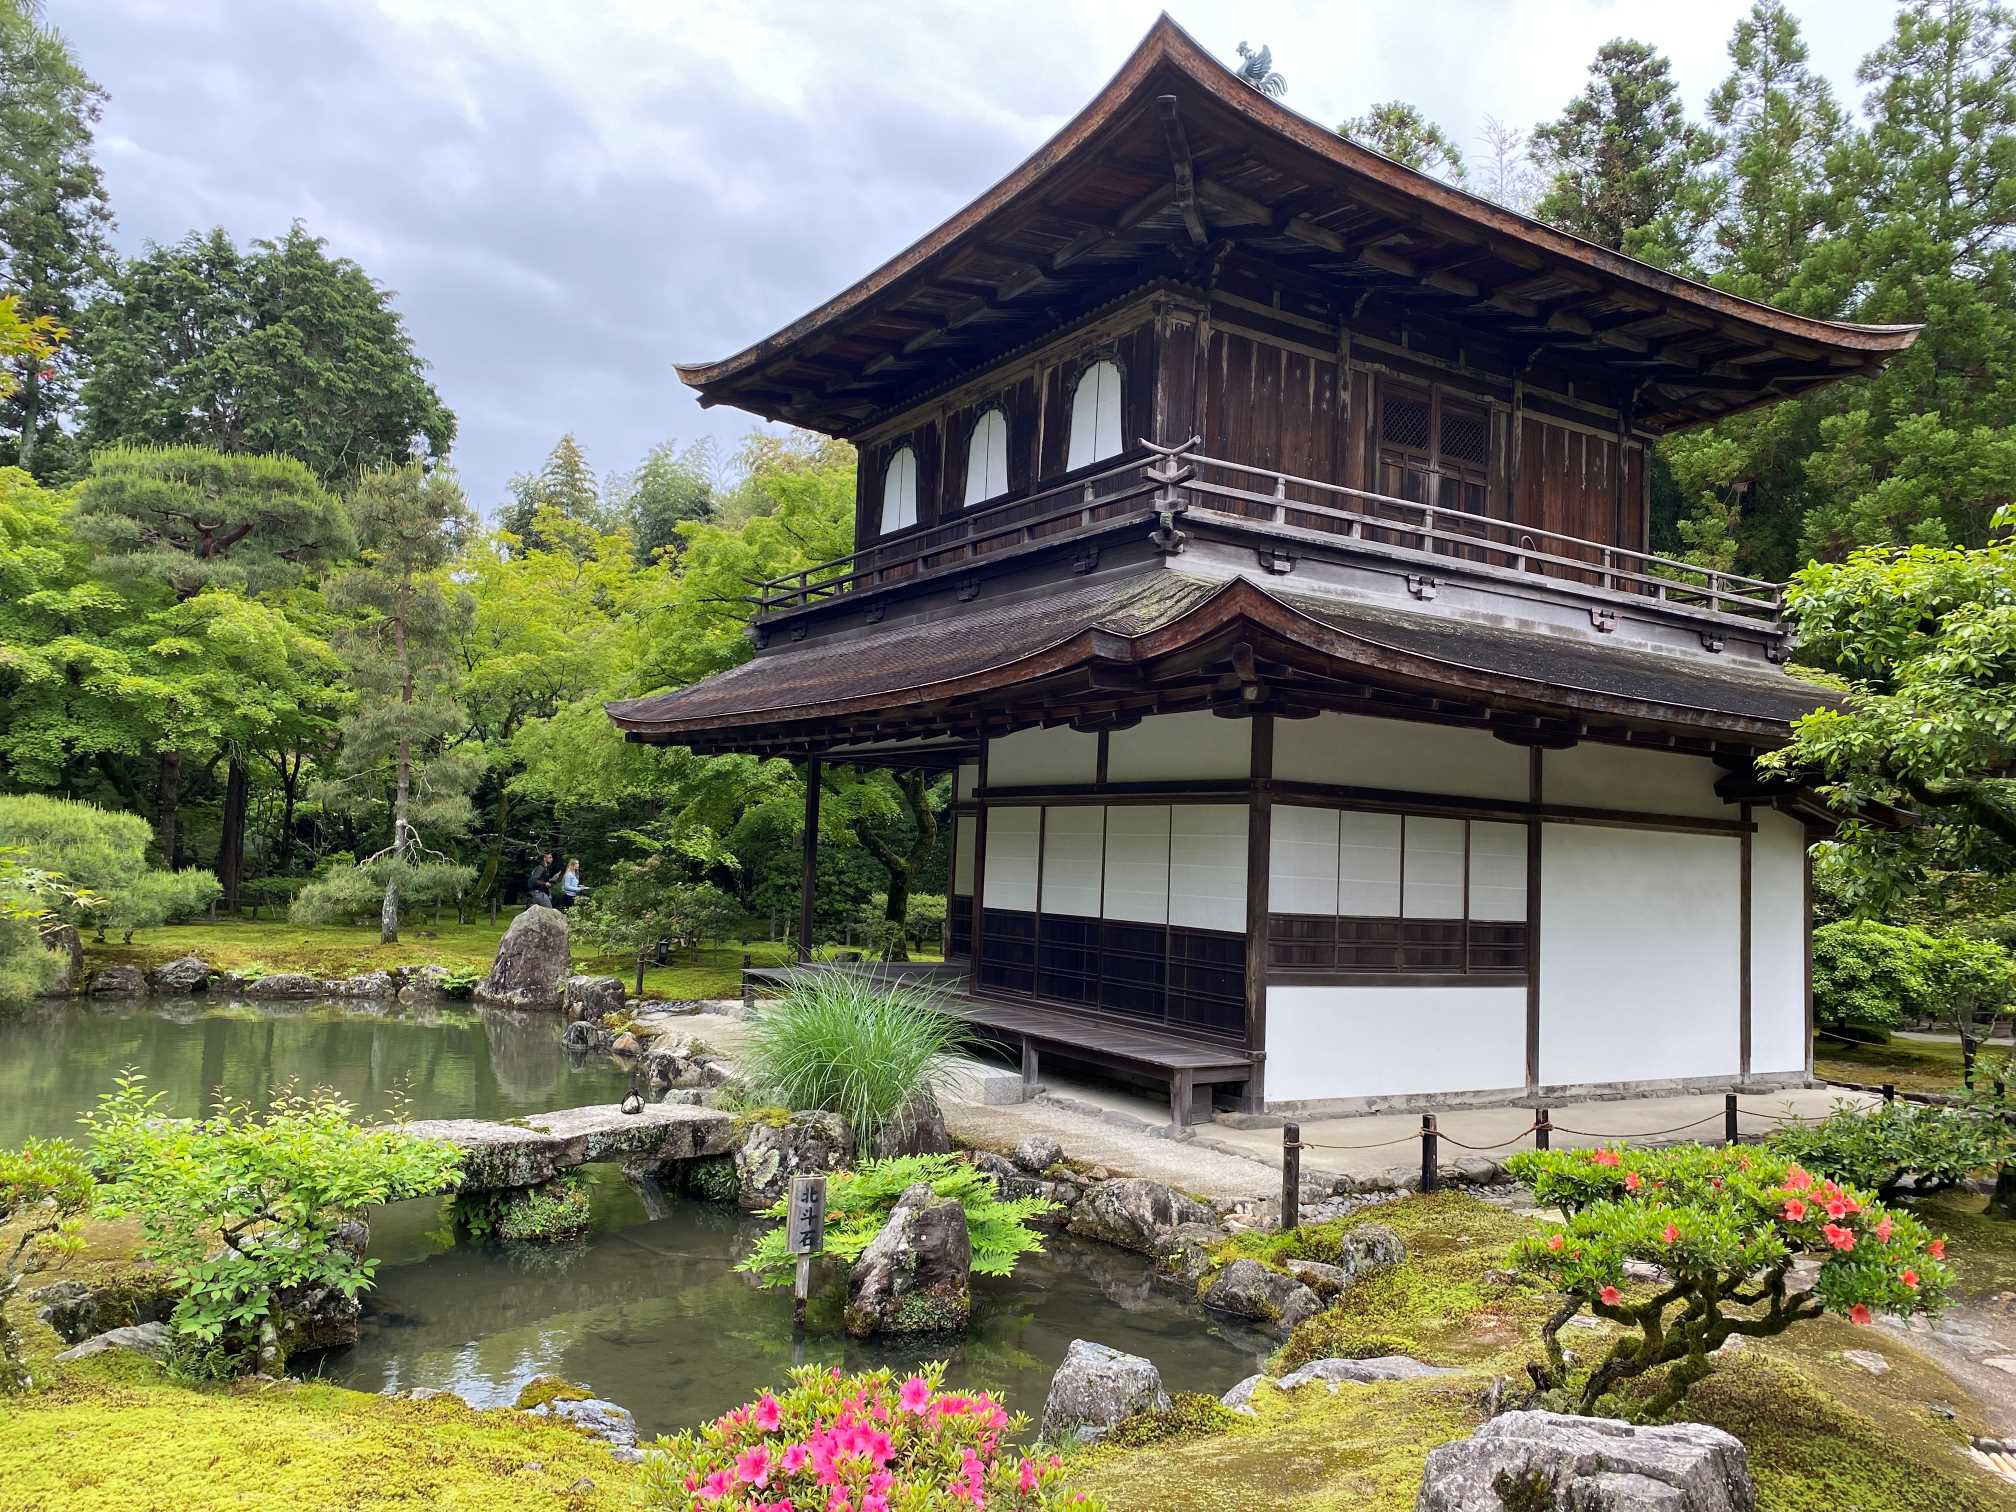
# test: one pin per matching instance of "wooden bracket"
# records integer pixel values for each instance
(1776, 651)
(1605, 620)
(1275, 560)
(1713, 640)
(969, 587)
(798, 630)
(877, 611)
(1422, 586)
(1085, 561)
(759, 635)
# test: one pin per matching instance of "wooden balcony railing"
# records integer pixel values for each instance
(1483, 539)
(1502, 548)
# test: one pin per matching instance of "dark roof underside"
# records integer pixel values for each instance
(1176, 161)
(1153, 632)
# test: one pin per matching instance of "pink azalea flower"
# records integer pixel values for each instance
(768, 1413)
(1842, 1239)
(1796, 1179)
(1630, 1181)
(753, 1466)
(717, 1485)
(1554, 1242)
(1670, 1233)
(874, 1501)
(1610, 1296)
(1858, 1314)
(836, 1500)
(1025, 1479)
(1910, 1279)
(1938, 1249)
(1838, 1208)
(795, 1458)
(1795, 1210)
(915, 1395)
(1604, 1157)
(1883, 1230)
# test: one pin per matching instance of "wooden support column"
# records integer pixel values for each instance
(1259, 863)
(979, 868)
(808, 877)
(1534, 829)
(1743, 935)
(1806, 941)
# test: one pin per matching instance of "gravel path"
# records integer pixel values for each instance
(1124, 1149)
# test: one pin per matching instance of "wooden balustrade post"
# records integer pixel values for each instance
(1543, 1131)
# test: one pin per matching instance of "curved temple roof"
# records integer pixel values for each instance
(1177, 160)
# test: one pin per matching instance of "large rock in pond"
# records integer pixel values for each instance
(118, 980)
(916, 1275)
(316, 1318)
(771, 1153)
(181, 976)
(1248, 1289)
(1136, 1214)
(288, 985)
(65, 941)
(531, 966)
(1095, 1388)
(1524, 1460)
(592, 997)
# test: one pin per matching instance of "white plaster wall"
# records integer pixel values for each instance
(1352, 750)
(1777, 944)
(1327, 1042)
(1137, 863)
(1179, 748)
(1074, 845)
(967, 780)
(1207, 866)
(1593, 775)
(1042, 758)
(1639, 955)
(962, 855)
(1012, 835)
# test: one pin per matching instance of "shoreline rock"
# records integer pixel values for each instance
(1095, 1388)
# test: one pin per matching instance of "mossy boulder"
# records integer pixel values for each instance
(916, 1275)
(1136, 1214)
(549, 1213)
(773, 1151)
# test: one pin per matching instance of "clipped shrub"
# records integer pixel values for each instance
(866, 1442)
(347, 893)
(241, 1207)
(1725, 1224)
(1870, 978)
(858, 1204)
(834, 1042)
(1898, 1146)
(101, 858)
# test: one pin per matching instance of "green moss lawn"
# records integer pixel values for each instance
(1823, 1436)
(1913, 1065)
(334, 950)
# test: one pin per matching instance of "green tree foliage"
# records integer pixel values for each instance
(45, 1190)
(1926, 640)
(859, 1202)
(565, 485)
(1626, 168)
(31, 900)
(1725, 1225)
(105, 855)
(247, 1205)
(54, 219)
(400, 750)
(1898, 1148)
(278, 349)
(671, 487)
(1402, 133)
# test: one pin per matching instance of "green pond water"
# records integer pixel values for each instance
(646, 1310)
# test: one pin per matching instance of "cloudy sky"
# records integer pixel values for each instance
(571, 195)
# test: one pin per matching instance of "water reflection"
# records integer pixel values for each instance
(456, 1062)
(652, 1314)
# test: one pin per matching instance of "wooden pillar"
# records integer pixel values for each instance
(1534, 833)
(808, 877)
(1806, 950)
(1743, 946)
(979, 865)
(1259, 863)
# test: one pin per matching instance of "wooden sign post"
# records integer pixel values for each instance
(805, 1230)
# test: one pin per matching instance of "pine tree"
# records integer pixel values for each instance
(407, 615)
(1624, 165)
(54, 218)
(1403, 134)
(1506, 172)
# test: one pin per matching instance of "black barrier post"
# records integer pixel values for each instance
(1889, 1092)
(1291, 1175)
(1543, 1131)
(1730, 1134)
(1430, 1153)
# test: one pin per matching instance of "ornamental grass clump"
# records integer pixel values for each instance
(839, 1043)
(865, 1443)
(858, 1204)
(1723, 1226)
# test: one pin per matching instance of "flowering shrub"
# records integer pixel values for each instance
(865, 1443)
(1897, 1144)
(1723, 1226)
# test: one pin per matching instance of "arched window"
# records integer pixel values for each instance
(899, 491)
(987, 458)
(1095, 416)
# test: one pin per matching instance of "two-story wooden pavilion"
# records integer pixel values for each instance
(1259, 529)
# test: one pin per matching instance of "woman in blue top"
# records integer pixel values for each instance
(570, 883)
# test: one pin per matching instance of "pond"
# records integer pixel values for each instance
(646, 1310)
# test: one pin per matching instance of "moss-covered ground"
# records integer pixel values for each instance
(114, 1434)
(338, 950)
(1822, 1435)
(1913, 1065)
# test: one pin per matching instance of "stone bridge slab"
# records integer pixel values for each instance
(535, 1149)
